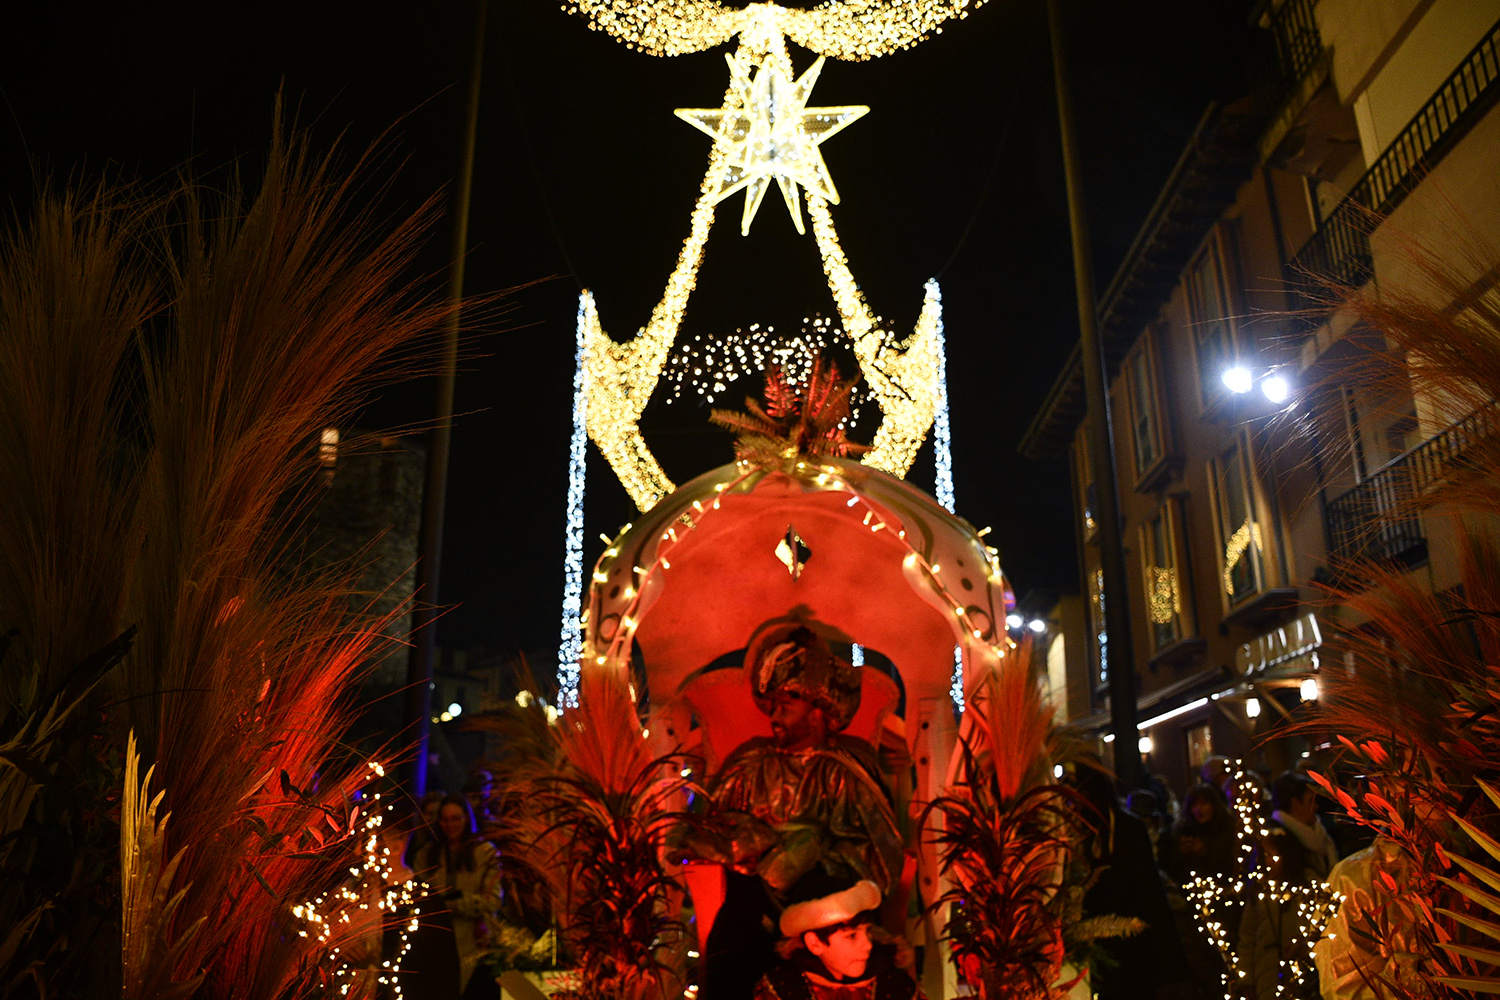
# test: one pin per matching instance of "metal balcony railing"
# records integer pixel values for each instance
(1376, 521)
(1340, 249)
(1295, 46)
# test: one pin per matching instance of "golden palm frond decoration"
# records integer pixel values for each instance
(798, 418)
(151, 946)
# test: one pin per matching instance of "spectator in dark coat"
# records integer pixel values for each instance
(1150, 965)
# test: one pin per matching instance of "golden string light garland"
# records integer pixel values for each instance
(763, 132)
(853, 30)
(1215, 898)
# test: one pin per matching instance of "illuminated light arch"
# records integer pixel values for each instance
(902, 375)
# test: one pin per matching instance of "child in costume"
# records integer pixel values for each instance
(832, 950)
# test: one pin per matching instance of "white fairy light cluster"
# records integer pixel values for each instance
(1213, 899)
(571, 643)
(620, 378)
(942, 453)
(839, 29)
(768, 133)
(709, 365)
(616, 648)
(370, 887)
(942, 435)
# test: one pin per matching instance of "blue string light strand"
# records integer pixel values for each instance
(942, 438)
(570, 648)
(942, 451)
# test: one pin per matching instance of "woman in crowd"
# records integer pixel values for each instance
(463, 870)
(1202, 839)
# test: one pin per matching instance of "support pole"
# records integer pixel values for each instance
(1122, 707)
(435, 488)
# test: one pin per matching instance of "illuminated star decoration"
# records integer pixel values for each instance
(767, 132)
(900, 374)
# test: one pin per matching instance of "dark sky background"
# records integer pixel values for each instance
(583, 177)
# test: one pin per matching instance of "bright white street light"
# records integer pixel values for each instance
(1309, 689)
(1252, 707)
(1276, 388)
(1238, 378)
(1014, 621)
(1144, 744)
(1057, 771)
(1037, 625)
(455, 709)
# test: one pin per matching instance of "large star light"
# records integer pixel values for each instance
(767, 132)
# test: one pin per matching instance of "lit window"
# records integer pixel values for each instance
(1239, 525)
(1101, 634)
(1167, 611)
(328, 447)
(1209, 304)
(1084, 477)
(1200, 746)
(1145, 407)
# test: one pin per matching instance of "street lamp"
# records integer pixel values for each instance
(1238, 379)
(1275, 388)
(1252, 708)
(1309, 689)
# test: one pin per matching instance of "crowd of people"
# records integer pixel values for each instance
(806, 836)
(1293, 839)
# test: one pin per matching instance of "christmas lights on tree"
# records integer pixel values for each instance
(372, 896)
(1217, 899)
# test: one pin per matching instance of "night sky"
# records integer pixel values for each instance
(584, 178)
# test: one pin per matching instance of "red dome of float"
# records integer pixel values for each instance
(869, 557)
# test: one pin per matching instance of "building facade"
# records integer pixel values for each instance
(1248, 470)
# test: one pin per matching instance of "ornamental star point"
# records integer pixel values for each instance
(765, 131)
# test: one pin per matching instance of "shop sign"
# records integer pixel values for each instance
(1294, 639)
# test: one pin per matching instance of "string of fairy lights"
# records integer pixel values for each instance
(707, 366)
(371, 886)
(914, 564)
(570, 647)
(852, 30)
(1217, 898)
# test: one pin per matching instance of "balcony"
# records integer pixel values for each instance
(1340, 250)
(1293, 47)
(1377, 520)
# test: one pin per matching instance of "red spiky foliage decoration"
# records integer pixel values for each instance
(1006, 839)
(799, 418)
(608, 810)
(1416, 710)
(166, 365)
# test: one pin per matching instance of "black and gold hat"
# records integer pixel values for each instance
(786, 656)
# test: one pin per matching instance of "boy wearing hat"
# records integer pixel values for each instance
(832, 950)
(806, 802)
